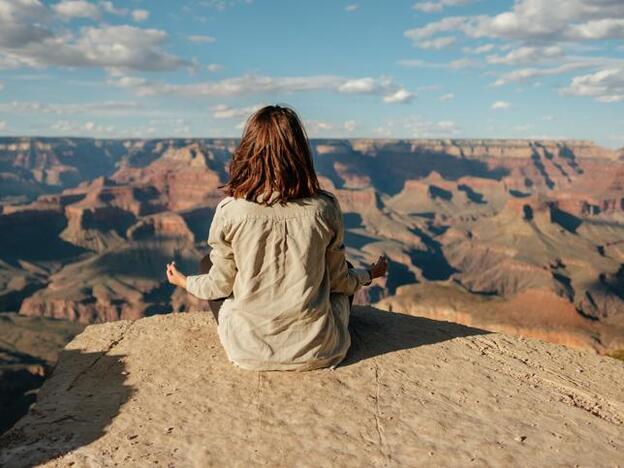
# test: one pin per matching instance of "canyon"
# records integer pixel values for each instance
(520, 236)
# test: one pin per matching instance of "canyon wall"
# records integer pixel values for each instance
(520, 235)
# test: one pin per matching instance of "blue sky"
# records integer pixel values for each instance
(402, 69)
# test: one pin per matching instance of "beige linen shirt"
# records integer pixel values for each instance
(283, 272)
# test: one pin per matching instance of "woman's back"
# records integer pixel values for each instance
(278, 254)
(283, 272)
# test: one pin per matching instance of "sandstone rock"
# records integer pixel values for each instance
(411, 391)
(507, 218)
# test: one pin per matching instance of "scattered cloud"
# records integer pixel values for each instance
(500, 105)
(351, 7)
(400, 96)
(223, 111)
(437, 43)
(445, 25)
(416, 127)
(199, 38)
(482, 49)
(109, 7)
(527, 55)
(605, 85)
(101, 107)
(320, 128)
(453, 64)
(214, 67)
(65, 127)
(28, 38)
(437, 5)
(537, 20)
(256, 84)
(140, 15)
(223, 4)
(69, 9)
(524, 74)
(3, 125)
(447, 97)
(350, 125)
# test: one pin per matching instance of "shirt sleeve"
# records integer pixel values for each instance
(219, 281)
(342, 278)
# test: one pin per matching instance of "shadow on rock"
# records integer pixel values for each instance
(80, 410)
(375, 332)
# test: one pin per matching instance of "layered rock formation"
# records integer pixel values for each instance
(32, 166)
(411, 391)
(522, 222)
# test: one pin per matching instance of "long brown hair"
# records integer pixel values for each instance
(273, 155)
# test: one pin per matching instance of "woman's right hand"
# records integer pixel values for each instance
(379, 268)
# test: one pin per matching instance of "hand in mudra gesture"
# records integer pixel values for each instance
(175, 276)
(379, 268)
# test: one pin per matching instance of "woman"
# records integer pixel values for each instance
(278, 258)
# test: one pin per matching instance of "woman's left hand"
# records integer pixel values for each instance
(175, 276)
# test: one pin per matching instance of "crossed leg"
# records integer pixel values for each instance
(204, 267)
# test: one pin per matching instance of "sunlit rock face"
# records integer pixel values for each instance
(161, 391)
(536, 226)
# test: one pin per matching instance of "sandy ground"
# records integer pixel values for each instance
(411, 392)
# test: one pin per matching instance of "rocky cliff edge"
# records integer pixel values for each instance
(412, 391)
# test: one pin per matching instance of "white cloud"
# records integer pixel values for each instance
(223, 4)
(140, 15)
(223, 111)
(97, 107)
(525, 74)
(437, 5)
(320, 128)
(350, 125)
(22, 23)
(256, 84)
(417, 127)
(27, 38)
(200, 38)
(605, 85)
(437, 43)
(400, 96)
(453, 64)
(526, 55)
(214, 67)
(532, 20)
(500, 105)
(351, 7)
(314, 127)
(69, 128)
(447, 97)
(447, 24)
(3, 124)
(478, 49)
(69, 9)
(359, 86)
(109, 7)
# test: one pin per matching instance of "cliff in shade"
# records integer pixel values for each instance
(411, 391)
(520, 236)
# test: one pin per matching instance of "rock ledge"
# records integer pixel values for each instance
(412, 391)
